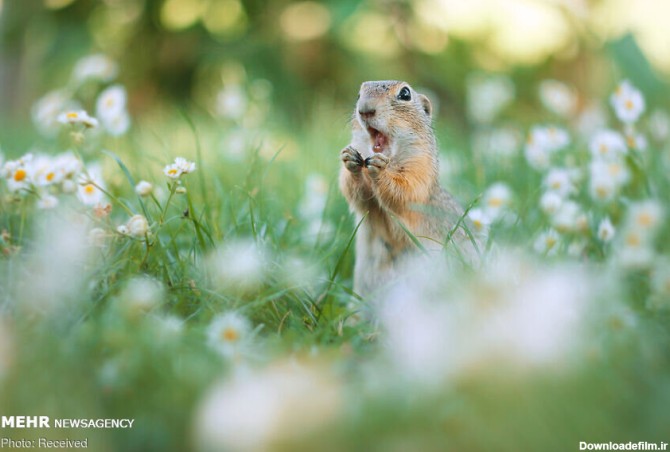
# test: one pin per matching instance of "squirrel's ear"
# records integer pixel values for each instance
(425, 103)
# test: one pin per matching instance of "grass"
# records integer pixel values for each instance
(79, 342)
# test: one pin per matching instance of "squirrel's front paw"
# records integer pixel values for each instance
(352, 159)
(376, 164)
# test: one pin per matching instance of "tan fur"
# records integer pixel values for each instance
(399, 184)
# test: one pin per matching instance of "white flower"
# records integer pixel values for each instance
(497, 199)
(547, 242)
(179, 167)
(487, 96)
(140, 295)
(636, 250)
(606, 179)
(560, 180)
(231, 102)
(551, 202)
(314, 200)
(527, 316)
(569, 217)
(542, 142)
(47, 202)
(69, 186)
(607, 144)
(18, 173)
(111, 102)
(144, 188)
(117, 125)
(229, 334)
(137, 226)
(238, 265)
(88, 191)
(552, 138)
(95, 67)
(480, 220)
(184, 165)
(68, 165)
(504, 142)
(46, 110)
(606, 230)
(537, 156)
(637, 141)
(284, 404)
(659, 125)
(628, 102)
(592, 119)
(558, 97)
(77, 117)
(45, 172)
(172, 171)
(645, 217)
(122, 229)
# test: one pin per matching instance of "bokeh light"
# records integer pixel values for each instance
(303, 21)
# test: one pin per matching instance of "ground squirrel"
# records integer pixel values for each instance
(391, 173)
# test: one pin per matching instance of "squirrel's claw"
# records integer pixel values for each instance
(352, 159)
(376, 164)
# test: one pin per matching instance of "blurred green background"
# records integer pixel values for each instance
(221, 82)
(185, 51)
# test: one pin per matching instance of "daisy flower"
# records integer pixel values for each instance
(496, 199)
(77, 117)
(137, 226)
(547, 242)
(111, 102)
(480, 220)
(95, 67)
(628, 102)
(606, 230)
(229, 333)
(559, 180)
(558, 97)
(47, 202)
(607, 144)
(179, 167)
(144, 188)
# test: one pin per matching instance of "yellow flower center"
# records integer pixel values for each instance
(603, 148)
(50, 176)
(72, 115)
(172, 171)
(645, 219)
(629, 104)
(89, 189)
(109, 102)
(550, 242)
(615, 169)
(230, 335)
(20, 174)
(495, 202)
(633, 240)
(601, 191)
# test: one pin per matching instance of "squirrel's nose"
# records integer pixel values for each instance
(366, 112)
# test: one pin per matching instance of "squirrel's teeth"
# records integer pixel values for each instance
(379, 141)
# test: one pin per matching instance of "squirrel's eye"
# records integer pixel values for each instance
(405, 94)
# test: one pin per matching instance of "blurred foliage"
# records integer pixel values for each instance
(258, 94)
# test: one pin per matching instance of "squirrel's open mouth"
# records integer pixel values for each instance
(379, 140)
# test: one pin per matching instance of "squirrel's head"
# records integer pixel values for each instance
(393, 115)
